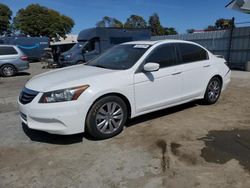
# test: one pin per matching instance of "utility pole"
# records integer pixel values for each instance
(230, 40)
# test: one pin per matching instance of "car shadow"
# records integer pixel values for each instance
(22, 74)
(41, 136)
(160, 113)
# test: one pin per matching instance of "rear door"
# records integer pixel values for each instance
(194, 63)
(159, 88)
(7, 54)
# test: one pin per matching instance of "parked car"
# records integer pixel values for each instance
(92, 42)
(31, 46)
(12, 60)
(126, 81)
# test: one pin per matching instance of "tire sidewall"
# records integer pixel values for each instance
(91, 117)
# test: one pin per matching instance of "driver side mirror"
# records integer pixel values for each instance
(151, 67)
(84, 50)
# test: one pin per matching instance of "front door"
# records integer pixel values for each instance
(157, 89)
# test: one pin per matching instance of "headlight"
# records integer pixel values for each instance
(62, 95)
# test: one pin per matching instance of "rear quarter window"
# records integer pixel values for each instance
(4, 50)
(191, 53)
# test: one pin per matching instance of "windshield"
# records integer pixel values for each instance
(77, 46)
(120, 57)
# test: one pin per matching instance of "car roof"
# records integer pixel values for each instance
(152, 42)
(7, 45)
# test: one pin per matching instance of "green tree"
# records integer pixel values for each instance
(36, 20)
(223, 23)
(135, 21)
(5, 17)
(211, 28)
(109, 22)
(170, 31)
(155, 25)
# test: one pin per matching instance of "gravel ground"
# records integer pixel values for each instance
(191, 145)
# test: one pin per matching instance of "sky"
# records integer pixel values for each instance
(180, 14)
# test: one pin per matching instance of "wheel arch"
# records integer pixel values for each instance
(79, 60)
(219, 77)
(8, 64)
(123, 97)
(213, 76)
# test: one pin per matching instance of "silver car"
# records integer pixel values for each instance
(12, 60)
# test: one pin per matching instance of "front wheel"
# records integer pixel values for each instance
(213, 91)
(80, 62)
(106, 117)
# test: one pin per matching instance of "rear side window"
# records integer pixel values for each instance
(164, 55)
(5, 50)
(191, 53)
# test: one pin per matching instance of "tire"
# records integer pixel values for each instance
(7, 70)
(213, 91)
(80, 62)
(106, 117)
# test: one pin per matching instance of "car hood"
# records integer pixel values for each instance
(66, 77)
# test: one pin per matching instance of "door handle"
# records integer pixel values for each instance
(206, 66)
(176, 73)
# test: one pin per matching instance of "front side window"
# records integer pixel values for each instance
(164, 55)
(120, 57)
(90, 46)
(191, 53)
(78, 45)
(6, 50)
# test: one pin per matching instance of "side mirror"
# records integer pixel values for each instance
(84, 50)
(151, 67)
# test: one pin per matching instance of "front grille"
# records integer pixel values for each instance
(24, 117)
(27, 95)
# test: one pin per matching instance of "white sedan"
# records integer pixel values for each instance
(126, 81)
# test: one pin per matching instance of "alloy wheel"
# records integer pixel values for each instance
(109, 117)
(213, 90)
(8, 71)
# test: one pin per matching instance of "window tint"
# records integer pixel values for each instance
(119, 57)
(164, 55)
(90, 46)
(191, 53)
(7, 50)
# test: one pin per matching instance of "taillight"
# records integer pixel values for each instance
(24, 58)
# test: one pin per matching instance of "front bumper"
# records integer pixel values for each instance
(62, 118)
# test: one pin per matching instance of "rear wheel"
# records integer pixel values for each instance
(106, 117)
(213, 91)
(7, 70)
